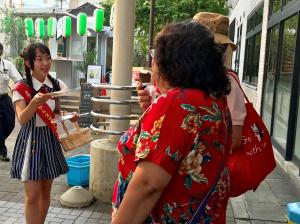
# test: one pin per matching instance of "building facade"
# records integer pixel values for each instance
(267, 60)
(63, 4)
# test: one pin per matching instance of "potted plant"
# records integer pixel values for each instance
(88, 58)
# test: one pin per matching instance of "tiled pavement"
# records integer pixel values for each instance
(12, 197)
(266, 205)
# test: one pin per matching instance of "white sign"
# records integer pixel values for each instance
(94, 74)
(59, 30)
(112, 13)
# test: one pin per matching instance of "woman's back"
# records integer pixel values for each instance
(186, 133)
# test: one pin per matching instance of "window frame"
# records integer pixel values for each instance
(279, 18)
(254, 28)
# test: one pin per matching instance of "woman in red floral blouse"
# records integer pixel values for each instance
(173, 163)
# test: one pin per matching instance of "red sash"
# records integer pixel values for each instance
(43, 111)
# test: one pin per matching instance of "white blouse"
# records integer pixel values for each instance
(16, 96)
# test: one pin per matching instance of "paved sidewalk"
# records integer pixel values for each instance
(266, 205)
(12, 196)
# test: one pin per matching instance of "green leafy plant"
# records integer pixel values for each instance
(13, 28)
(88, 58)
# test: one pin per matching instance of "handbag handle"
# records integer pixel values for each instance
(65, 128)
(232, 74)
(75, 124)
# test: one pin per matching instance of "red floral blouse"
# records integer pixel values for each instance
(186, 132)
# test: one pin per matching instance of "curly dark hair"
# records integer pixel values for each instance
(188, 57)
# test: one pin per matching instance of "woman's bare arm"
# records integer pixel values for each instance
(25, 112)
(143, 192)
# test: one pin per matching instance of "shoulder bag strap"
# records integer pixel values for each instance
(197, 215)
(232, 74)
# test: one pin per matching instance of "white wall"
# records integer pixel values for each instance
(240, 13)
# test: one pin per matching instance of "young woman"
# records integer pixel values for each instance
(37, 157)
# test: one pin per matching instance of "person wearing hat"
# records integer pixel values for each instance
(7, 113)
(218, 24)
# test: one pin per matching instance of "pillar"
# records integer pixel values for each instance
(104, 154)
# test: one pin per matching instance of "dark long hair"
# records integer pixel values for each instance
(29, 55)
(188, 57)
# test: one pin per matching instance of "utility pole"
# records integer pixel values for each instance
(151, 28)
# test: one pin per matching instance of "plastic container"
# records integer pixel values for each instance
(79, 173)
(294, 212)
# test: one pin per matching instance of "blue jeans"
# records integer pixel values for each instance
(7, 121)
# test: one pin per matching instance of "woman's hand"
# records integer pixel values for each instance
(39, 99)
(25, 112)
(75, 117)
(144, 97)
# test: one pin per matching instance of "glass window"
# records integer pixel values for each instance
(238, 49)
(256, 54)
(109, 50)
(252, 53)
(284, 85)
(275, 6)
(255, 19)
(248, 59)
(252, 59)
(270, 76)
(91, 43)
(61, 47)
(297, 143)
(259, 16)
(287, 1)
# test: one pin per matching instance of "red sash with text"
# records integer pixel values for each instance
(43, 111)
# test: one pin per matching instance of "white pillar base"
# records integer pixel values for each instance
(103, 169)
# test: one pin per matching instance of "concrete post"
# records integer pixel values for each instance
(122, 61)
(104, 156)
(262, 59)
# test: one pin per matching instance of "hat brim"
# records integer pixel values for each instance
(222, 39)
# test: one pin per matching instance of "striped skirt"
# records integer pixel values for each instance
(37, 154)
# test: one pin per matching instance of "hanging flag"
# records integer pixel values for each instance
(81, 23)
(29, 28)
(98, 20)
(51, 27)
(67, 26)
(39, 28)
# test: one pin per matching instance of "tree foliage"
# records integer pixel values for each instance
(106, 4)
(13, 28)
(166, 11)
